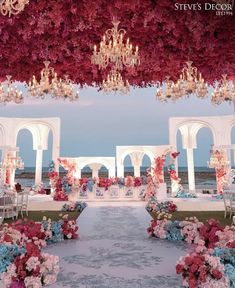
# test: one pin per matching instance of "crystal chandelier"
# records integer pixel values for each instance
(115, 83)
(65, 90)
(114, 51)
(224, 90)
(12, 7)
(190, 82)
(218, 160)
(171, 91)
(8, 93)
(50, 84)
(12, 162)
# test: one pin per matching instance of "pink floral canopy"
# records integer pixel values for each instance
(64, 32)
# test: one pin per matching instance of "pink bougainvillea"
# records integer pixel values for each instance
(64, 32)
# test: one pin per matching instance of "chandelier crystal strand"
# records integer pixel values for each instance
(10, 93)
(115, 83)
(224, 90)
(114, 51)
(191, 82)
(50, 84)
(12, 7)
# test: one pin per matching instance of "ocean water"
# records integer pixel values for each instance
(204, 176)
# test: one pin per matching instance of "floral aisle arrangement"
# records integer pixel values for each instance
(162, 210)
(219, 162)
(74, 206)
(56, 184)
(22, 262)
(212, 262)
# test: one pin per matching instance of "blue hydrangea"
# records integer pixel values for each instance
(227, 257)
(173, 231)
(182, 194)
(8, 254)
(57, 235)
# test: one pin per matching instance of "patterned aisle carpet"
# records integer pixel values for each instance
(114, 251)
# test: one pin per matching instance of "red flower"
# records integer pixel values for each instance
(217, 274)
(179, 268)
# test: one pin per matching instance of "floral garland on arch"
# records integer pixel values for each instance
(22, 262)
(218, 161)
(212, 262)
(56, 184)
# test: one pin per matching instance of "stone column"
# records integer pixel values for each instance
(191, 176)
(120, 170)
(137, 170)
(38, 172)
(95, 169)
(136, 160)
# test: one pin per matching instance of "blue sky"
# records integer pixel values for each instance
(98, 122)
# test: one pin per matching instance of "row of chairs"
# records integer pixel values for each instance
(229, 203)
(11, 204)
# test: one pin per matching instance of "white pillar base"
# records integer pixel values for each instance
(38, 172)
(191, 176)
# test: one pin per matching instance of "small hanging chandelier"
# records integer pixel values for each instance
(224, 90)
(190, 82)
(66, 88)
(115, 83)
(12, 7)
(9, 93)
(171, 91)
(50, 84)
(114, 51)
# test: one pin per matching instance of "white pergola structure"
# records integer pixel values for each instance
(136, 154)
(39, 128)
(220, 126)
(95, 163)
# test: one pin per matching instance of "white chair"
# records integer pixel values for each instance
(21, 204)
(7, 206)
(227, 203)
(232, 203)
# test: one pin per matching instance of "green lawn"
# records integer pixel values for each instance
(201, 215)
(53, 215)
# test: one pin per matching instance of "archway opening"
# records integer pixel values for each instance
(146, 163)
(86, 172)
(103, 172)
(26, 177)
(128, 168)
(47, 157)
(204, 177)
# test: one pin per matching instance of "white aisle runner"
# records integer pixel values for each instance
(114, 251)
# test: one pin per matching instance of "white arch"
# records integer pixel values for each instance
(189, 126)
(136, 154)
(95, 163)
(39, 128)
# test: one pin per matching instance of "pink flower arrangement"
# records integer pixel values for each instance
(197, 268)
(208, 232)
(157, 228)
(137, 181)
(129, 182)
(32, 269)
(190, 229)
(69, 228)
(158, 169)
